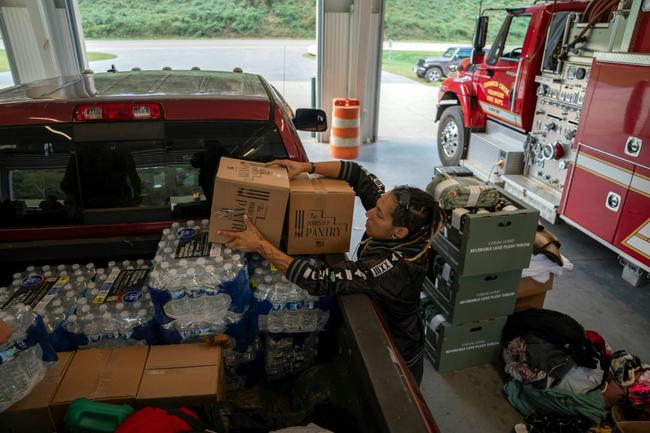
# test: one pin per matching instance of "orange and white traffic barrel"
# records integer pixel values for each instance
(346, 127)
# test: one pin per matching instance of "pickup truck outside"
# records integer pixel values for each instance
(94, 167)
(433, 69)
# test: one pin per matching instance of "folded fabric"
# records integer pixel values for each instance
(555, 401)
(541, 267)
(463, 191)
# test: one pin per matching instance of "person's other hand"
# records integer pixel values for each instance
(294, 168)
(247, 241)
(5, 333)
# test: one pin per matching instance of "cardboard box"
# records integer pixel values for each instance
(320, 215)
(182, 374)
(251, 188)
(633, 426)
(531, 293)
(452, 347)
(105, 375)
(32, 413)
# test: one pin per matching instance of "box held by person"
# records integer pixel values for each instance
(249, 188)
(320, 215)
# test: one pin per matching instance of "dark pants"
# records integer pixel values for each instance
(417, 369)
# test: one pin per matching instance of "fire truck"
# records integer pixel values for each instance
(557, 111)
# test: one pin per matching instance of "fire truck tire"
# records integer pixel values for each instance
(453, 137)
(433, 74)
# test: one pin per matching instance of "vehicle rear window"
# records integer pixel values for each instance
(120, 173)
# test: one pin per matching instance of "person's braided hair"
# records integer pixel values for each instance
(422, 218)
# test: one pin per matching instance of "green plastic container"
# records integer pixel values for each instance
(85, 415)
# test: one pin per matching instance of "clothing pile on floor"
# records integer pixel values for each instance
(562, 375)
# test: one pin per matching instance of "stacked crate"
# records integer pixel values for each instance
(473, 282)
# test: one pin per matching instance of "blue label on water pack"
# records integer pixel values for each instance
(277, 307)
(94, 338)
(32, 280)
(195, 293)
(186, 233)
(177, 294)
(294, 306)
(132, 296)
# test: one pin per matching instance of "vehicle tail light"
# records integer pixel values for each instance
(117, 112)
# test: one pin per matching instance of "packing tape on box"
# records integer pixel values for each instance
(319, 186)
(104, 381)
(457, 216)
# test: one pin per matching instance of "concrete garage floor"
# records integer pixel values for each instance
(471, 400)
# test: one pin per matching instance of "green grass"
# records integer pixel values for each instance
(402, 62)
(423, 20)
(4, 63)
(92, 57)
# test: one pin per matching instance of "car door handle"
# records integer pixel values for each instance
(511, 74)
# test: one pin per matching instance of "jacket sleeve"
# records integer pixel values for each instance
(367, 275)
(366, 185)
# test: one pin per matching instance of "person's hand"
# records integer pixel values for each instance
(247, 241)
(294, 168)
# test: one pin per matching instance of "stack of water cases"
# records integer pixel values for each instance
(202, 288)
(289, 316)
(22, 358)
(51, 291)
(117, 309)
(472, 283)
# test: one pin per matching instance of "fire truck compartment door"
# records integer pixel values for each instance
(633, 232)
(598, 190)
(618, 118)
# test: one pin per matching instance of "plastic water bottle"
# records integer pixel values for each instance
(309, 313)
(91, 329)
(278, 301)
(72, 324)
(293, 311)
(217, 303)
(110, 328)
(180, 302)
(125, 324)
(141, 317)
(197, 301)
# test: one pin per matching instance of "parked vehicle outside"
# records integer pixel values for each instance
(433, 69)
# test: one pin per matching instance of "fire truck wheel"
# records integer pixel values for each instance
(452, 136)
